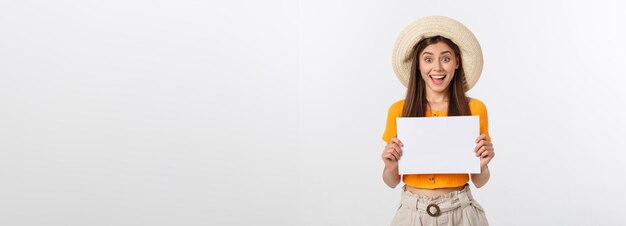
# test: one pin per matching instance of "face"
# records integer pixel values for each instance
(437, 64)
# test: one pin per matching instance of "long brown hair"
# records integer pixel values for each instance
(415, 103)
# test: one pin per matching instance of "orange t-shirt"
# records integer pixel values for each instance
(432, 181)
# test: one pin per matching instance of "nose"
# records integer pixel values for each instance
(438, 66)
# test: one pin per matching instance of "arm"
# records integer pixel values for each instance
(484, 150)
(390, 156)
(481, 179)
(391, 177)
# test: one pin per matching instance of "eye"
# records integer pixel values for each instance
(445, 59)
(428, 60)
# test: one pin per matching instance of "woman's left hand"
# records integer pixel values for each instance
(484, 150)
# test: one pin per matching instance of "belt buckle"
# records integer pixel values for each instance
(437, 213)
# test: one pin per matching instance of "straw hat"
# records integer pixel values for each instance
(471, 53)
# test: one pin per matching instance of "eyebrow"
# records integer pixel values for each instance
(441, 52)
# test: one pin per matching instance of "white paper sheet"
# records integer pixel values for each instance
(438, 144)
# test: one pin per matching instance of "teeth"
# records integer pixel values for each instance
(437, 76)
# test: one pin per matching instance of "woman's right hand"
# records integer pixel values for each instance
(392, 153)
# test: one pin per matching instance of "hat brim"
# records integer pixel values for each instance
(471, 52)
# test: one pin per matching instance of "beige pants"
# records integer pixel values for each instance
(454, 208)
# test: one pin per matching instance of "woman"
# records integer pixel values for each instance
(438, 60)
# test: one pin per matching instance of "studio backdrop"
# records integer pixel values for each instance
(271, 112)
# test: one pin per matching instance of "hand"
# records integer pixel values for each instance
(392, 153)
(484, 150)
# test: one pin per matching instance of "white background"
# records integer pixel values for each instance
(271, 112)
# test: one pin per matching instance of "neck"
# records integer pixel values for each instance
(437, 97)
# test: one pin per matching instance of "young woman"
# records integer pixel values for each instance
(438, 59)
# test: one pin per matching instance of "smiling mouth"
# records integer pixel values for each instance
(437, 79)
(440, 77)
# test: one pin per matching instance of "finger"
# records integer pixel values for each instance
(389, 156)
(479, 145)
(481, 151)
(395, 147)
(390, 144)
(389, 148)
(393, 155)
(485, 154)
(481, 137)
(398, 152)
(397, 141)
(394, 152)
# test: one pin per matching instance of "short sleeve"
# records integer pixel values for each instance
(479, 109)
(390, 129)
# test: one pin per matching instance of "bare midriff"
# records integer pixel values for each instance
(432, 192)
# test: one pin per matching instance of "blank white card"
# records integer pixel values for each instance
(438, 144)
